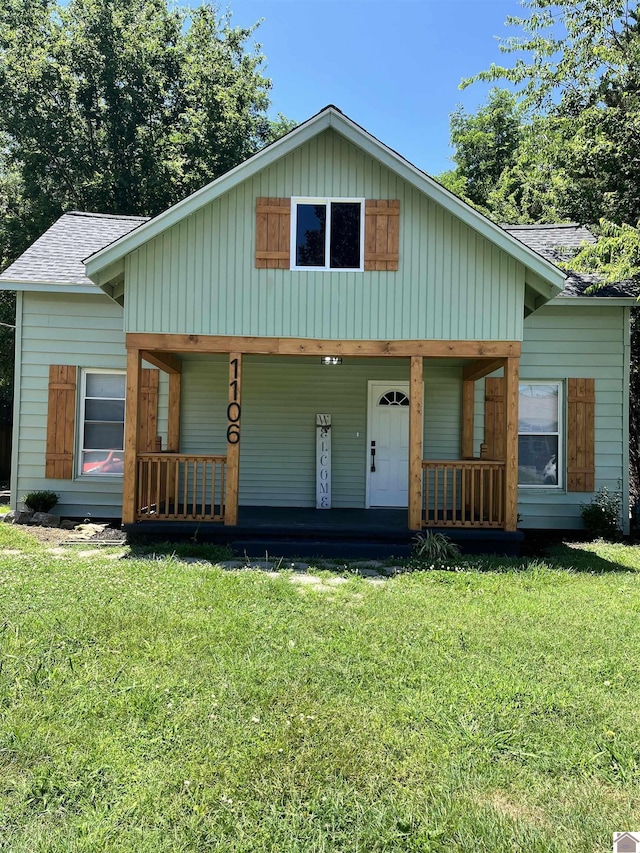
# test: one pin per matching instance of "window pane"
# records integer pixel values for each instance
(345, 235)
(310, 235)
(537, 460)
(538, 408)
(104, 436)
(103, 462)
(105, 385)
(104, 410)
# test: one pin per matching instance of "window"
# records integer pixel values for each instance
(327, 233)
(102, 422)
(539, 430)
(393, 398)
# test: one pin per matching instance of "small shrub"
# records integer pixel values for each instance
(41, 501)
(602, 515)
(433, 548)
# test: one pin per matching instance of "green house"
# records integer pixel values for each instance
(323, 327)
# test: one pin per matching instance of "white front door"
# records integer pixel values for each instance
(388, 444)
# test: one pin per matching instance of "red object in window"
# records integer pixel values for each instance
(113, 464)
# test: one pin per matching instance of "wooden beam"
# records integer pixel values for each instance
(511, 397)
(131, 429)
(481, 368)
(173, 425)
(170, 364)
(468, 407)
(234, 410)
(312, 346)
(416, 429)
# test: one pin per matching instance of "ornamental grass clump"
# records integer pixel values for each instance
(432, 550)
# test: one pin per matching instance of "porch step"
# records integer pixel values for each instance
(304, 532)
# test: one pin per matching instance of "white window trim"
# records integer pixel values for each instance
(562, 439)
(326, 200)
(85, 371)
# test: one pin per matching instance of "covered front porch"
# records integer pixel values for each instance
(463, 490)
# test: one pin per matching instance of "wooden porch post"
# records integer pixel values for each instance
(468, 405)
(173, 427)
(416, 429)
(234, 410)
(511, 396)
(131, 429)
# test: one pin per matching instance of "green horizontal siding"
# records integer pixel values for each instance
(280, 399)
(81, 330)
(563, 342)
(199, 276)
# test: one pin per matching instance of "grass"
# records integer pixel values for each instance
(155, 705)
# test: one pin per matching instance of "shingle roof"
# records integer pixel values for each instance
(557, 243)
(56, 257)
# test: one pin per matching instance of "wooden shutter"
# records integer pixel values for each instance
(61, 420)
(494, 417)
(273, 233)
(381, 235)
(581, 398)
(148, 410)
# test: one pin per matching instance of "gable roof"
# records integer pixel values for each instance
(56, 256)
(542, 275)
(558, 243)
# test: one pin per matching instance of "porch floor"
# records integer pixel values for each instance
(309, 532)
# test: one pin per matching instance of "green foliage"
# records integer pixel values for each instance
(484, 144)
(578, 68)
(434, 548)
(43, 501)
(117, 106)
(575, 47)
(602, 516)
(121, 106)
(616, 255)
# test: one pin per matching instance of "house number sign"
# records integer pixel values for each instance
(323, 461)
(234, 410)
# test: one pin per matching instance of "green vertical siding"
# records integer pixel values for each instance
(199, 277)
(280, 399)
(563, 342)
(81, 330)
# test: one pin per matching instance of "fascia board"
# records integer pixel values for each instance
(536, 263)
(49, 287)
(595, 301)
(94, 264)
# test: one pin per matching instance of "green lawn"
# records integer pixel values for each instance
(156, 705)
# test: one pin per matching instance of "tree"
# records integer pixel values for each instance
(581, 80)
(577, 48)
(484, 143)
(117, 106)
(120, 106)
(578, 157)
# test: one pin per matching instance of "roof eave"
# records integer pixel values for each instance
(621, 301)
(48, 287)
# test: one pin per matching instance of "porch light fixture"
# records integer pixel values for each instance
(331, 360)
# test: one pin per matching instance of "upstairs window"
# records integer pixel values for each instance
(327, 233)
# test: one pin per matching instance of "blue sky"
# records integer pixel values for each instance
(394, 66)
